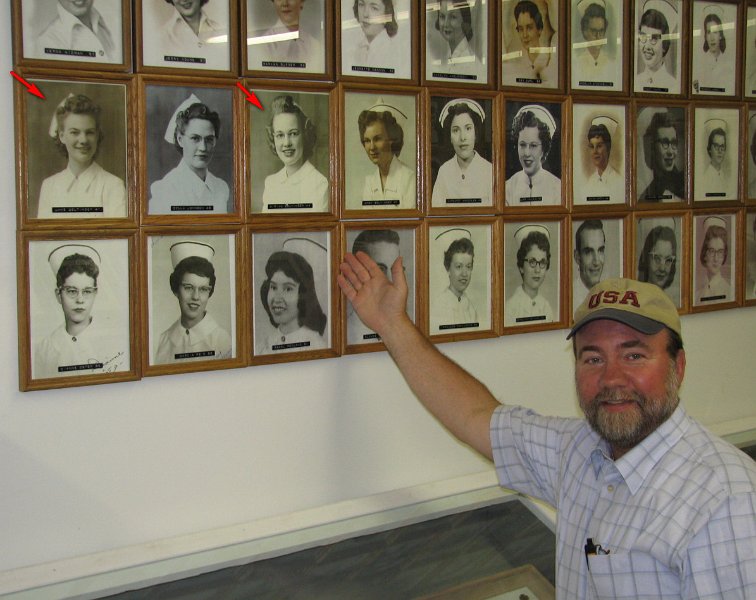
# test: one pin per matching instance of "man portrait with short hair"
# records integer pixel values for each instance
(589, 256)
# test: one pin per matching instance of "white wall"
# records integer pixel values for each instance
(100, 468)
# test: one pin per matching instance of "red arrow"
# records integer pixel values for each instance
(32, 88)
(250, 96)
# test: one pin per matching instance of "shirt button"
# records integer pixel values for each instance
(610, 488)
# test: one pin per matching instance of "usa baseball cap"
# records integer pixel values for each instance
(643, 306)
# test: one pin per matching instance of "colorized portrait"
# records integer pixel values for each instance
(714, 256)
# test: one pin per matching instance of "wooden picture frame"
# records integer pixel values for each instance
(749, 155)
(715, 259)
(714, 66)
(716, 152)
(659, 47)
(749, 44)
(90, 277)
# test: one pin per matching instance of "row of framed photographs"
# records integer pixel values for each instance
(106, 306)
(118, 150)
(592, 44)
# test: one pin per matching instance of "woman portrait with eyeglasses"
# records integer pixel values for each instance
(661, 157)
(657, 57)
(712, 284)
(527, 305)
(657, 260)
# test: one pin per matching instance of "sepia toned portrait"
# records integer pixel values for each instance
(529, 50)
(597, 254)
(461, 152)
(751, 155)
(714, 45)
(456, 41)
(714, 256)
(79, 307)
(717, 138)
(598, 154)
(289, 153)
(658, 55)
(597, 35)
(749, 67)
(659, 252)
(192, 291)
(750, 256)
(77, 163)
(661, 159)
(534, 156)
(291, 289)
(190, 148)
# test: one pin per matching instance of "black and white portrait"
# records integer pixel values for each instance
(598, 154)
(190, 148)
(291, 291)
(750, 256)
(380, 151)
(459, 278)
(461, 152)
(714, 256)
(751, 155)
(186, 34)
(87, 31)
(597, 34)
(77, 161)
(661, 161)
(289, 152)
(749, 66)
(456, 41)
(79, 307)
(192, 290)
(716, 153)
(384, 246)
(534, 154)
(532, 273)
(376, 38)
(597, 250)
(658, 56)
(530, 50)
(658, 254)
(714, 45)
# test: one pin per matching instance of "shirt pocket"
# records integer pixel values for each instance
(631, 575)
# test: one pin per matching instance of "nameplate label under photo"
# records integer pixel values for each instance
(529, 80)
(86, 367)
(657, 198)
(66, 52)
(716, 194)
(458, 326)
(194, 354)
(297, 205)
(753, 93)
(291, 345)
(596, 83)
(373, 69)
(284, 64)
(77, 209)
(650, 88)
(597, 199)
(203, 207)
(713, 298)
(371, 336)
(531, 199)
(455, 76)
(529, 319)
(720, 90)
(464, 200)
(185, 59)
(380, 203)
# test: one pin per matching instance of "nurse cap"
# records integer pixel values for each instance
(170, 130)
(187, 248)
(453, 234)
(541, 114)
(56, 257)
(714, 221)
(471, 104)
(610, 124)
(525, 230)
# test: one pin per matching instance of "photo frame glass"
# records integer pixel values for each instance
(749, 69)
(714, 44)
(661, 164)
(530, 50)
(598, 248)
(290, 152)
(79, 307)
(286, 37)
(191, 298)
(291, 274)
(461, 151)
(456, 41)
(532, 273)
(750, 236)
(750, 153)
(597, 38)
(714, 256)
(657, 49)
(716, 152)
(659, 254)
(598, 154)
(459, 278)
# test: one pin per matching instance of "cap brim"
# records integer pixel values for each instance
(638, 322)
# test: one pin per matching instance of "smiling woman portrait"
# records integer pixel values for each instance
(526, 305)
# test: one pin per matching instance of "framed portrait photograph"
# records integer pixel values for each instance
(599, 136)
(463, 134)
(288, 38)
(375, 38)
(84, 34)
(716, 150)
(384, 242)
(79, 328)
(290, 149)
(658, 46)
(292, 294)
(715, 256)
(533, 267)
(660, 254)
(533, 166)
(714, 48)
(457, 43)
(597, 248)
(661, 154)
(188, 159)
(193, 300)
(750, 158)
(380, 150)
(750, 257)
(74, 151)
(529, 43)
(461, 278)
(749, 64)
(597, 30)
(188, 36)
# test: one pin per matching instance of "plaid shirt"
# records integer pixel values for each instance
(677, 513)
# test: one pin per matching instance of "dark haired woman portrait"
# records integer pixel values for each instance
(454, 25)
(526, 305)
(453, 305)
(713, 65)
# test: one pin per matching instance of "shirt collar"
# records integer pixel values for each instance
(198, 333)
(194, 180)
(71, 22)
(85, 178)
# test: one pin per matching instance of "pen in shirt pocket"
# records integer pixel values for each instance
(593, 549)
